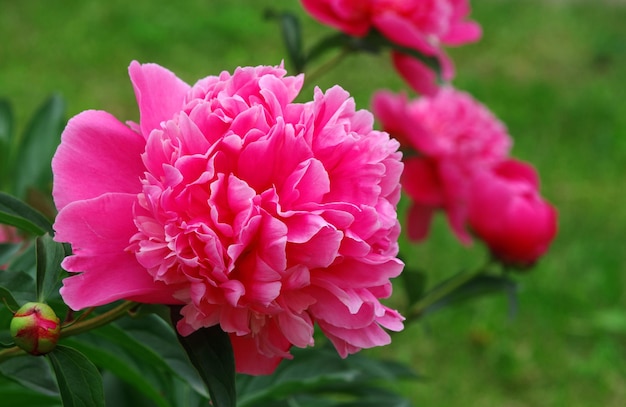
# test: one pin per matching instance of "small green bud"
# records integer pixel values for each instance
(35, 328)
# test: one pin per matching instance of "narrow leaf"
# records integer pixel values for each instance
(414, 282)
(38, 145)
(6, 123)
(477, 287)
(326, 44)
(292, 37)
(6, 299)
(322, 375)
(13, 394)
(6, 132)
(7, 251)
(154, 333)
(49, 255)
(19, 214)
(109, 356)
(80, 383)
(211, 353)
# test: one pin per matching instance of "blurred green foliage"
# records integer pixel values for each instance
(553, 71)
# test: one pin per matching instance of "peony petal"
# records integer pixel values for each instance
(462, 33)
(160, 94)
(419, 76)
(108, 272)
(403, 32)
(249, 360)
(418, 221)
(92, 144)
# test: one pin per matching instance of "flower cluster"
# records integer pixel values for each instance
(420, 25)
(256, 213)
(458, 161)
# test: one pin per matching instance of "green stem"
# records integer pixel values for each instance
(327, 66)
(79, 327)
(10, 352)
(99, 320)
(441, 292)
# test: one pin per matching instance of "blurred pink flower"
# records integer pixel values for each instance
(506, 211)
(9, 234)
(256, 213)
(420, 25)
(449, 138)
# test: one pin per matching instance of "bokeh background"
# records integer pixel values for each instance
(553, 70)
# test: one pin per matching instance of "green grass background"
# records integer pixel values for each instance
(553, 71)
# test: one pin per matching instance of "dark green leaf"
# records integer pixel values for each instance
(6, 132)
(80, 383)
(17, 213)
(119, 393)
(6, 299)
(210, 351)
(157, 335)
(414, 282)
(49, 255)
(132, 370)
(31, 372)
(7, 251)
(13, 394)
(292, 37)
(319, 374)
(479, 286)
(21, 286)
(326, 44)
(38, 145)
(19, 283)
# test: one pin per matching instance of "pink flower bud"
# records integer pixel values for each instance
(35, 328)
(507, 212)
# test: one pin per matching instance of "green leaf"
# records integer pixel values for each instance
(326, 44)
(6, 298)
(49, 255)
(19, 214)
(414, 282)
(13, 394)
(80, 383)
(37, 146)
(7, 251)
(31, 372)
(479, 286)
(19, 283)
(152, 332)
(132, 370)
(6, 132)
(292, 37)
(210, 351)
(320, 375)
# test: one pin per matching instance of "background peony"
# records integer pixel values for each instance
(507, 212)
(449, 139)
(256, 213)
(420, 25)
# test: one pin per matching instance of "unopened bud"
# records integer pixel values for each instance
(35, 328)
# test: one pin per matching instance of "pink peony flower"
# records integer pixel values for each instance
(256, 213)
(507, 212)
(421, 25)
(455, 138)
